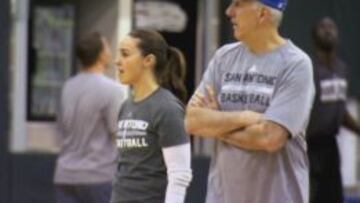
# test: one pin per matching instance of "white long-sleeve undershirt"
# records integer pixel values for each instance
(178, 163)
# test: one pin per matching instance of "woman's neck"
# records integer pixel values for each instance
(143, 89)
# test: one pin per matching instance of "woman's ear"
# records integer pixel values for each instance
(149, 61)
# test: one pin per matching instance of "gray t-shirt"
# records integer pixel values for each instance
(280, 85)
(87, 122)
(145, 128)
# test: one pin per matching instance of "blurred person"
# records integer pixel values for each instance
(328, 115)
(154, 149)
(89, 106)
(255, 100)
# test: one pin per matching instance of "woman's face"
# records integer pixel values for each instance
(130, 61)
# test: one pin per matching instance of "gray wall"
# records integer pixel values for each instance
(101, 16)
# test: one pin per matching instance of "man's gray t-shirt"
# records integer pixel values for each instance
(87, 122)
(280, 85)
(145, 128)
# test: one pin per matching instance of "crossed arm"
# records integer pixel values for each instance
(350, 123)
(245, 129)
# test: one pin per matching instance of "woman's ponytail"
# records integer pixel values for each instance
(174, 74)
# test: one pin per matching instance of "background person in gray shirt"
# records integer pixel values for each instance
(89, 106)
(255, 100)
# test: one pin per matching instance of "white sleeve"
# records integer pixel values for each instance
(179, 173)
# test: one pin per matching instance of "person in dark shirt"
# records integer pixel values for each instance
(154, 149)
(329, 113)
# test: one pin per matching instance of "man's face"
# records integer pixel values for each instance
(105, 55)
(244, 16)
(327, 34)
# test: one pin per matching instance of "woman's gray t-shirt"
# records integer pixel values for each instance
(144, 129)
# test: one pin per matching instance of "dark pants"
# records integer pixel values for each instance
(86, 193)
(325, 175)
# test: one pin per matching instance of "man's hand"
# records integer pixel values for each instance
(265, 136)
(201, 101)
(252, 117)
(224, 125)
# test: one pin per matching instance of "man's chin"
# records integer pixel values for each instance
(237, 36)
(123, 81)
(328, 47)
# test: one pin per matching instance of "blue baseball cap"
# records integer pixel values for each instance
(276, 4)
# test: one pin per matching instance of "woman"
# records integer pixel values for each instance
(154, 149)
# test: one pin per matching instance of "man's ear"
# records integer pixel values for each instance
(265, 15)
(103, 56)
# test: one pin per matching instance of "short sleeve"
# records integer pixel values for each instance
(211, 76)
(292, 102)
(170, 126)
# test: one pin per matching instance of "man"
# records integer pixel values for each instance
(255, 100)
(87, 122)
(328, 115)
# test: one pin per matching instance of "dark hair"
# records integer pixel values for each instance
(170, 68)
(316, 26)
(89, 48)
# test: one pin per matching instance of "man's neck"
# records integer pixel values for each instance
(326, 56)
(265, 41)
(95, 69)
